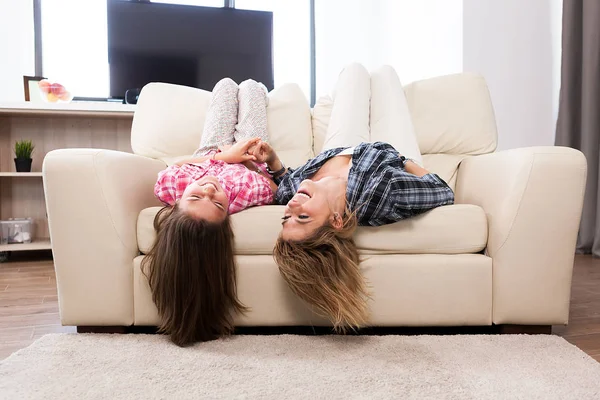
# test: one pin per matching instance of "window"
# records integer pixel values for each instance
(75, 49)
(291, 39)
(75, 45)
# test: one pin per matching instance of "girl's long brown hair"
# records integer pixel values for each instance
(323, 270)
(192, 275)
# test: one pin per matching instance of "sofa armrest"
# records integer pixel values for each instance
(93, 198)
(533, 198)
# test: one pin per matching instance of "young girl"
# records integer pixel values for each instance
(191, 267)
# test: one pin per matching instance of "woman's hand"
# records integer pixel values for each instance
(263, 152)
(238, 153)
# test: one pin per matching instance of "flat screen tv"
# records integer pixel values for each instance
(186, 45)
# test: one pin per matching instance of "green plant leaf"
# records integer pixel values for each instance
(24, 149)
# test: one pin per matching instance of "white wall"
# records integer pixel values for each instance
(344, 35)
(556, 28)
(16, 47)
(513, 44)
(420, 39)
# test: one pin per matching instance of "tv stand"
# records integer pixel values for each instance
(99, 100)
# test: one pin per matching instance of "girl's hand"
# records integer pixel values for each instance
(238, 153)
(263, 152)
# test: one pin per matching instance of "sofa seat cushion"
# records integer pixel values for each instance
(455, 229)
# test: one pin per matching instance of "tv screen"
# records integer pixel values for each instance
(186, 45)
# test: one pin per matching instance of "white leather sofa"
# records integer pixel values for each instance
(503, 254)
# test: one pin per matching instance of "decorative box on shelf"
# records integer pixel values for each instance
(17, 230)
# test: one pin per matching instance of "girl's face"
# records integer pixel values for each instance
(205, 199)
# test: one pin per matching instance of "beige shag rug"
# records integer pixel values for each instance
(101, 366)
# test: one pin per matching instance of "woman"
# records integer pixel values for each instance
(350, 183)
(191, 267)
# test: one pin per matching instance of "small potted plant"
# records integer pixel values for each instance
(23, 150)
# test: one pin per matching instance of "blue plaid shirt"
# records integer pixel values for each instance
(379, 188)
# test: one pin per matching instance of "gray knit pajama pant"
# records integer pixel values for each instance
(235, 113)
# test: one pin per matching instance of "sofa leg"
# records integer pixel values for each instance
(102, 329)
(525, 329)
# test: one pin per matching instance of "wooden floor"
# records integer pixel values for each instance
(584, 316)
(29, 305)
(28, 301)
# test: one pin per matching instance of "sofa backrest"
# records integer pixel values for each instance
(169, 119)
(453, 118)
(453, 114)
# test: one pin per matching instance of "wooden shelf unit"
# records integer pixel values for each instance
(51, 126)
(37, 244)
(20, 174)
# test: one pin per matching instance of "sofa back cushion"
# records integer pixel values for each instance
(169, 120)
(289, 124)
(453, 114)
(445, 165)
(321, 114)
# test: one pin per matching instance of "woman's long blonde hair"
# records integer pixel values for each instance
(323, 270)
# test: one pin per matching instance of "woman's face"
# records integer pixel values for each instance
(316, 203)
(205, 199)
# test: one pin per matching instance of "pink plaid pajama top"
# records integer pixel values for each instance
(244, 188)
